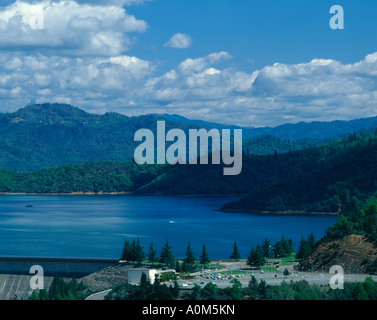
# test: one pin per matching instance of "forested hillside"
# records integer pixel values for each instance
(331, 178)
(51, 135)
(90, 177)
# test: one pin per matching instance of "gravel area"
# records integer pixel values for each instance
(107, 278)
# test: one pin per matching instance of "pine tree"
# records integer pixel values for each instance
(252, 289)
(204, 258)
(256, 257)
(283, 247)
(138, 252)
(260, 260)
(266, 247)
(251, 257)
(177, 267)
(126, 254)
(167, 256)
(303, 249)
(236, 253)
(262, 289)
(311, 241)
(152, 254)
(190, 258)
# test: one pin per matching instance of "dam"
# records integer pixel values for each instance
(15, 273)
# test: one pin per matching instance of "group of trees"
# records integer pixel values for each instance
(258, 255)
(255, 290)
(62, 290)
(134, 252)
(306, 246)
(145, 291)
(357, 221)
(88, 177)
(332, 178)
(268, 145)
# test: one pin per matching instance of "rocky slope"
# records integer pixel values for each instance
(352, 252)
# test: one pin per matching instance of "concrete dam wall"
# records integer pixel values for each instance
(15, 272)
(72, 267)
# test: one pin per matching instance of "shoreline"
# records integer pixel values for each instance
(126, 193)
(81, 193)
(132, 193)
(280, 213)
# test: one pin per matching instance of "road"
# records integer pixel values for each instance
(99, 295)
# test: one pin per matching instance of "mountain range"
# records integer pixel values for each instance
(292, 132)
(50, 135)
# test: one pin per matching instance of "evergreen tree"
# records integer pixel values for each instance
(256, 257)
(236, 253)
(252, 289)
(145, 287)
(262, 289)
(137, 250)
(204, 258)
(189, 259)
(152, 254)
(195, 294)
(167, 257)
(126, 254)
(283, 247)
(304, 249)
(311, 241)
(266, 247)
(177, 267)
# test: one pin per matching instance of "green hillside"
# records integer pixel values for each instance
(90, 177)
(51, 135)
(329, 178)
(332, 178)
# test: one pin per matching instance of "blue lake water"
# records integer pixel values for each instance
(96, 226)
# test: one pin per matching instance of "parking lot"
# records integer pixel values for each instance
(224, 277)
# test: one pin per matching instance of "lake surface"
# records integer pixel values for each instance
(96, 226)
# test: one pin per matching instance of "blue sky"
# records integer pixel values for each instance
(263, 32)
(251, 63)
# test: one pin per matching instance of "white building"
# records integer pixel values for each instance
(134, 275)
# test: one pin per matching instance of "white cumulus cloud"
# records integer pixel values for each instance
(67, 28)
(179, 41)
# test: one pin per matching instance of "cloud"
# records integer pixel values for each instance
(318, 90)
(92, 81)
(179, 41)
(114, 2)
(67, 28)
(119, 3)
(206, 87)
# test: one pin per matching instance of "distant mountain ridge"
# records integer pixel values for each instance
(292, 132)
(51, 135)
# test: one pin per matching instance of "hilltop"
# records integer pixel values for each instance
(51, 135)
(317, 130)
